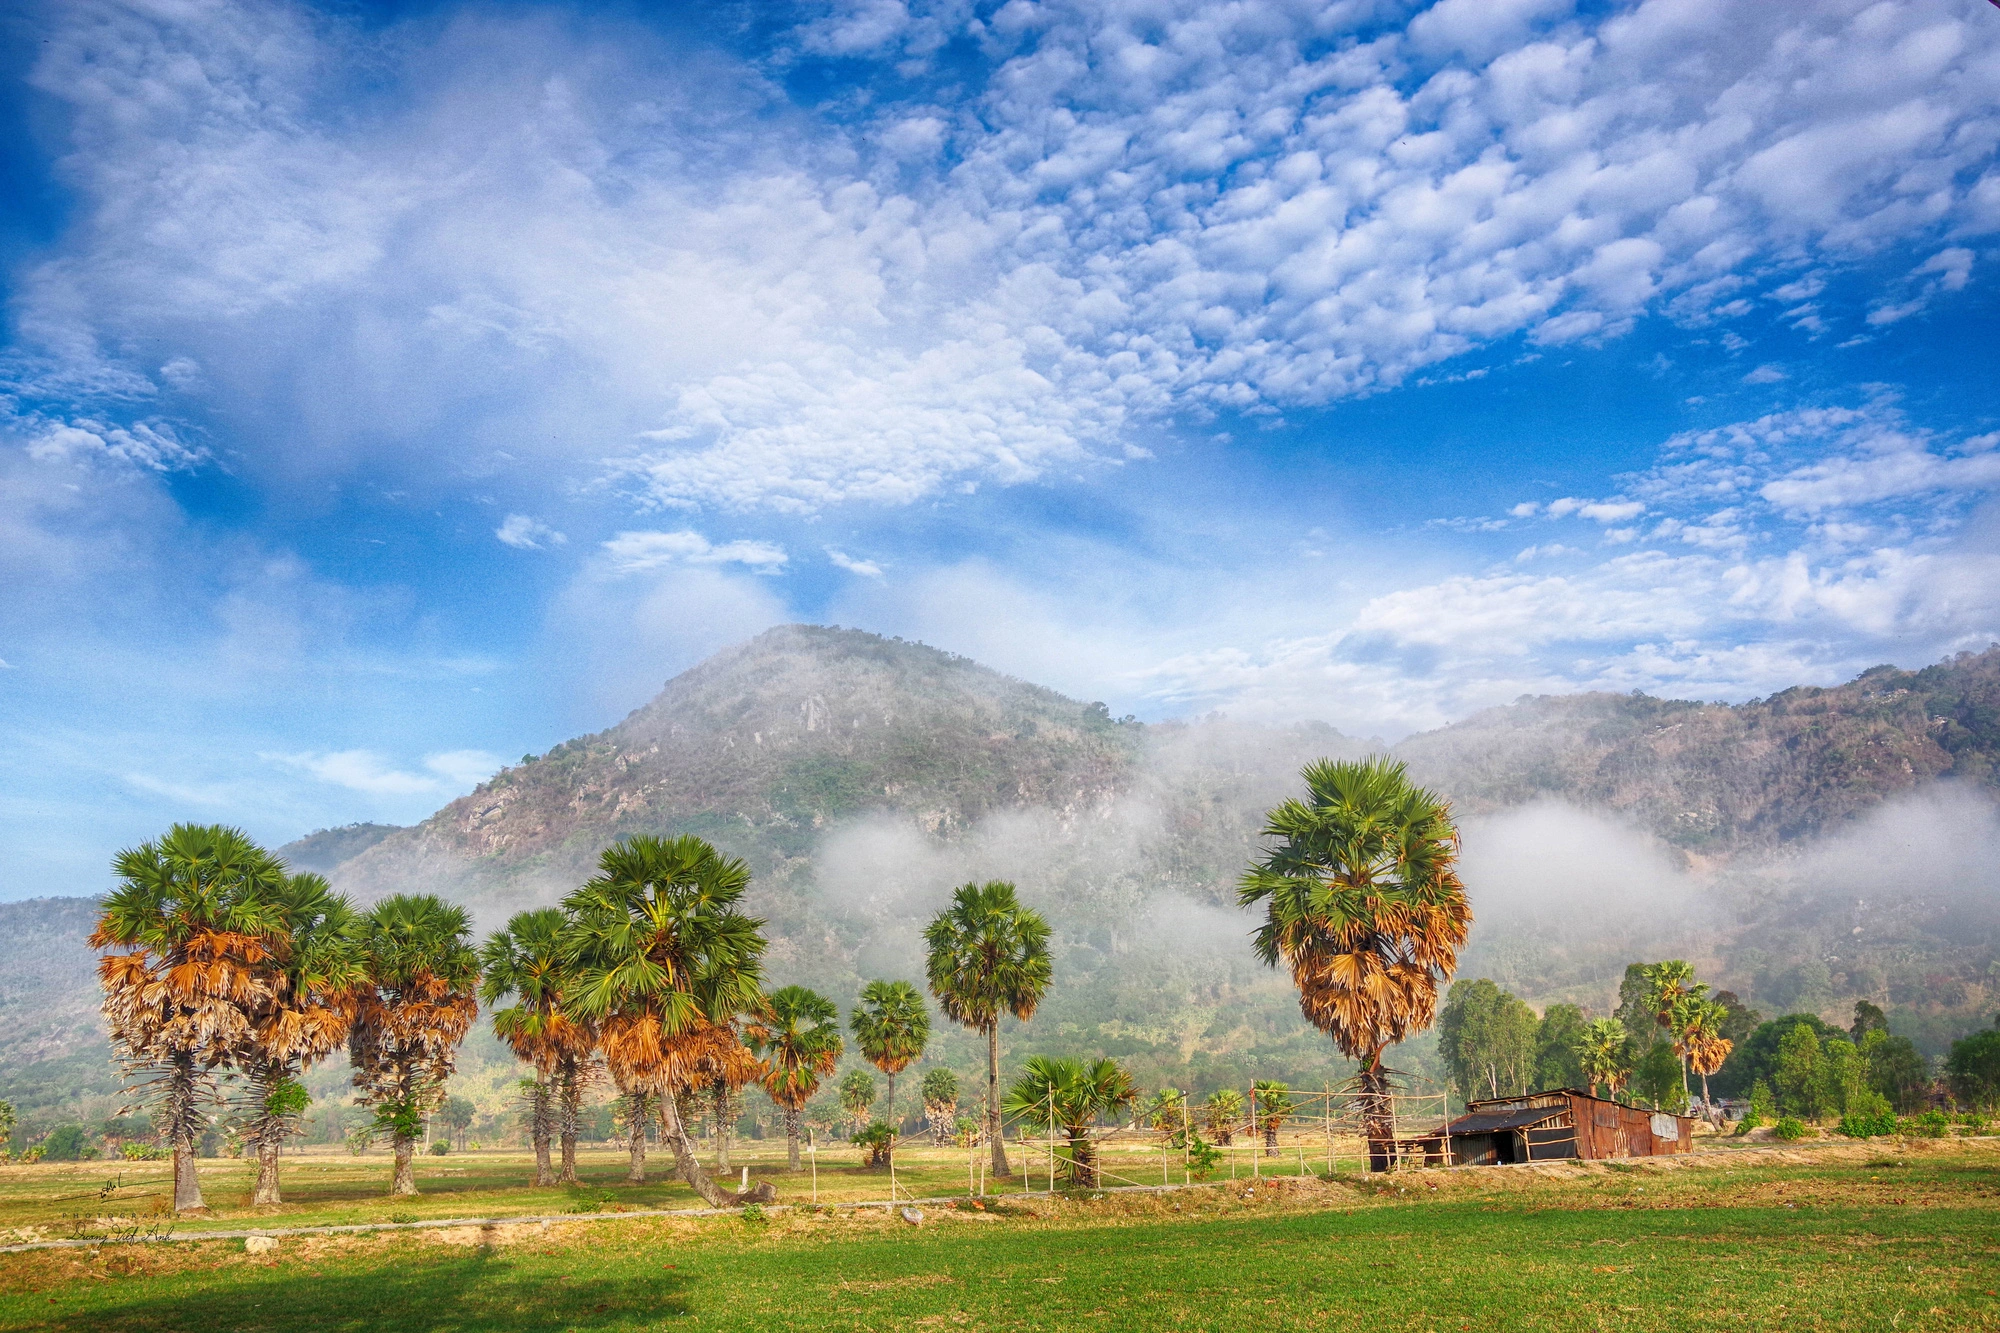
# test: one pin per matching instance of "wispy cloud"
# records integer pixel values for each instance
(527, 534)
(867, 569)
(637, 552)
(369, 772)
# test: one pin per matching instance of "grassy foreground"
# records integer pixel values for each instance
(1895, 1236)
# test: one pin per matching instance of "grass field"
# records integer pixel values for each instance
(1888, 1235)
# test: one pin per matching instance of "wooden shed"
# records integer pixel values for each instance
(1550, 1126)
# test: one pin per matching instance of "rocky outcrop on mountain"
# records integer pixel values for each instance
(1721, 780)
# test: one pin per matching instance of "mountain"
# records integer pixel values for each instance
(1721, 779)
(862, 777)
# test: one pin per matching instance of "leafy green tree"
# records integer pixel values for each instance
(1763, 1103)
(1073, 1096)
(857, 1096)
(1487, 1039)
(1602, 1051)
(192, 925)
(533, 961)
(420, 1001)
(7, 1123)
(1843, 1076)
(1558, 1037)
(1900, 1073)
(891, 1027)
(1656, 1079)
(1972, 1068)
(940, 1093)
(1757, 1056)
(797, 1032)
(1800, 1079)
(666, 964)
(313, 978)
(456, 1116)
(1867, 1018)
(1273, 1106)
(1363, 904)
(986, 954)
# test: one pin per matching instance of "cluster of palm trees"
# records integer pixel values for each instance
(223, 966)
(1683, 1014)
(227, 976)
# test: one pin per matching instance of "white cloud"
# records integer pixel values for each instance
(1766, 374)
(638, 552)
(979, 273)
(527, 534)
(369, 772)
(867, 569)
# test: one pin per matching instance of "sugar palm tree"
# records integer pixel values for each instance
(797, 1033)
(1674, 995)
(1274, 1107)
(1224, 1109)
(1602, 1052)
(533, 960)
(1069, 1094)
(315, 977)
(987, 954)
(420, 1001)
(668, 960)
(940, 1094)
(1702, 1044)
(194, 928)
(1363, 904)
(892, 1027)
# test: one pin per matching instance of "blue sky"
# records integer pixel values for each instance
(387, 393)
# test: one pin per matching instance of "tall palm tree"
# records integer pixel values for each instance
(1602, 1052)
(1070, 1094)
(315, 979)
(1702, 1044)
(892, 1027)
(1274, 1108)
(1363, 904)
(797, 1032)
(1674, 995)
(420, 1001)
(667, 963)
(987, 953)
(940, 1094)
(533, 959)
(193, 918)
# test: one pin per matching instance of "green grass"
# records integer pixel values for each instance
(1898, 1237)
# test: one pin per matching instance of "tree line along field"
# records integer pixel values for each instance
(1890, 1235)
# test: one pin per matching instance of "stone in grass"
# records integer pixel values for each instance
(259, 1244)
(914, 1216)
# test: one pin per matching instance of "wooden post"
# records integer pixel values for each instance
(812, 1151)
(1256, 1136)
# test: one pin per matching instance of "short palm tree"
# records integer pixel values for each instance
(420, 1001)
(940, 1093)
(315, 979)
(533, 961)
(194, 926)
(1167, 1114)
(1273, 1103)
(987, 954)
(857, 1095)
(667, 962)
(1363, 904)
(1223, 1112)
(1069, 1094)
(1602, 1052)
(797, 1033)
(891, 1028)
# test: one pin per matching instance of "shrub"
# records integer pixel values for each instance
(1974, 1122)
(1932, 1124)
(1763, 1106)
(440, 1148)
(65, 1143)
(1790, 1128)
(1869, 1117)
(877, 1139)
(1747, 1123)
(142, 1152)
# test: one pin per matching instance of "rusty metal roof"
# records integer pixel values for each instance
(1490, 1122)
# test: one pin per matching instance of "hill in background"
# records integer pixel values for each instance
(862, 777)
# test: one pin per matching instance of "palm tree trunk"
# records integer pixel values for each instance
(539, 1124)
(792, 1137)
(567, 1111)
(1270, 1137)
(266, 1192)
(1377, 1120)
(405, 1181)
(1000, 1171)
(722, 1126)
(889, 1108)
(674, 1130)
(1083, 1155)
(183, 1093)
(635, 1132)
